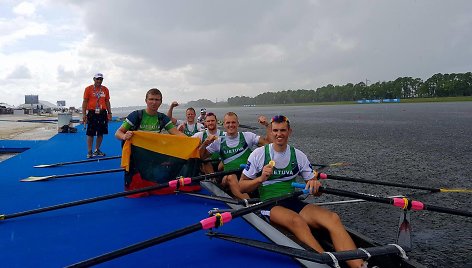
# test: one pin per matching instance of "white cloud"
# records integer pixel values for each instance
(25, 9)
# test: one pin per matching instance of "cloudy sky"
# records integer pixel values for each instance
(218, 49)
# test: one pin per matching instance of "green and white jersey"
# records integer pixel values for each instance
(141, 120)
(288, 165)
(190, 129)
(203, 135)
(234, 151)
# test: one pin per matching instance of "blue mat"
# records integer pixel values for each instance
(66, 236)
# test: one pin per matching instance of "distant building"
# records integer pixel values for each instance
(31, 99)
(39, 105)
(61, 103)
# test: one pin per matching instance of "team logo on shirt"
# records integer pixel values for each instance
(248, 165)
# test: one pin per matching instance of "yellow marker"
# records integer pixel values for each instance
(272, 163)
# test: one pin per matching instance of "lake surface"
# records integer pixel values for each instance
(419, 144)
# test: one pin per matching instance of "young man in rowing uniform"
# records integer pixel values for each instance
(273, 181)
(211, 124)
(148, 119)
(188, 127)
(234, 149)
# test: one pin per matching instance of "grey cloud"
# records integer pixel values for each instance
(313, 42)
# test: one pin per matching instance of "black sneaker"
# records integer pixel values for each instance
(98, 153)
(89, 155)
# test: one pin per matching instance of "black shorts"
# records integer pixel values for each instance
(293, 203)
(97, 124)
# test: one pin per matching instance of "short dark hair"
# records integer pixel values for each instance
(191, 109)
(211, 114)
(153, 91)
(280, 119)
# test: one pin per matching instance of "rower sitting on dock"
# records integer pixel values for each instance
(234, 148)
(271, 170)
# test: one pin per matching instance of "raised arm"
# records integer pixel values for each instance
(263, 121)
(171, 109)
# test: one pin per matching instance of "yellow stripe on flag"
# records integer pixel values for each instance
(177, 146)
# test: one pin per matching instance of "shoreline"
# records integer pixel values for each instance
(12, 129)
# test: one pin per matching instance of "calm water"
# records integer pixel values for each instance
(419, 144)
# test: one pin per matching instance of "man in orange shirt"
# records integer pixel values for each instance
(96, 110)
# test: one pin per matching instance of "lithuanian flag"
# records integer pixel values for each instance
(151, 158)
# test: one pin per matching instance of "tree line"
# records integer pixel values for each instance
(438, 85)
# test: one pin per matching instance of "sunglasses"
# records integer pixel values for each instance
(98, 78)
(279, 119)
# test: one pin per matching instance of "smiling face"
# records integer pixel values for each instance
(280, 133)
(190, 115)
(210, 122)
(231, 123)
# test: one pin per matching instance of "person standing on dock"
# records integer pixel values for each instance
(271, 169)
(96, 112)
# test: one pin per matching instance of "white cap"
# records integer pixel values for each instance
(203, 110)
(98, 75)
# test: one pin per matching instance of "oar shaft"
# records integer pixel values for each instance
(224, 199)
(136, 247)
(356, 195)
(386, 183)
(111, 196)
(203, 224)
(88, 173)
(448, 210)
(398, 202)
(79, 161)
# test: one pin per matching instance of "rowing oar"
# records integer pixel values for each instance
(35, 178)
(211, 222)
(404, 203)
(338, 164)
(331, 258)
(244, 202)
(175, 184)
(434, 190)
(89, 160)
(78, 161)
